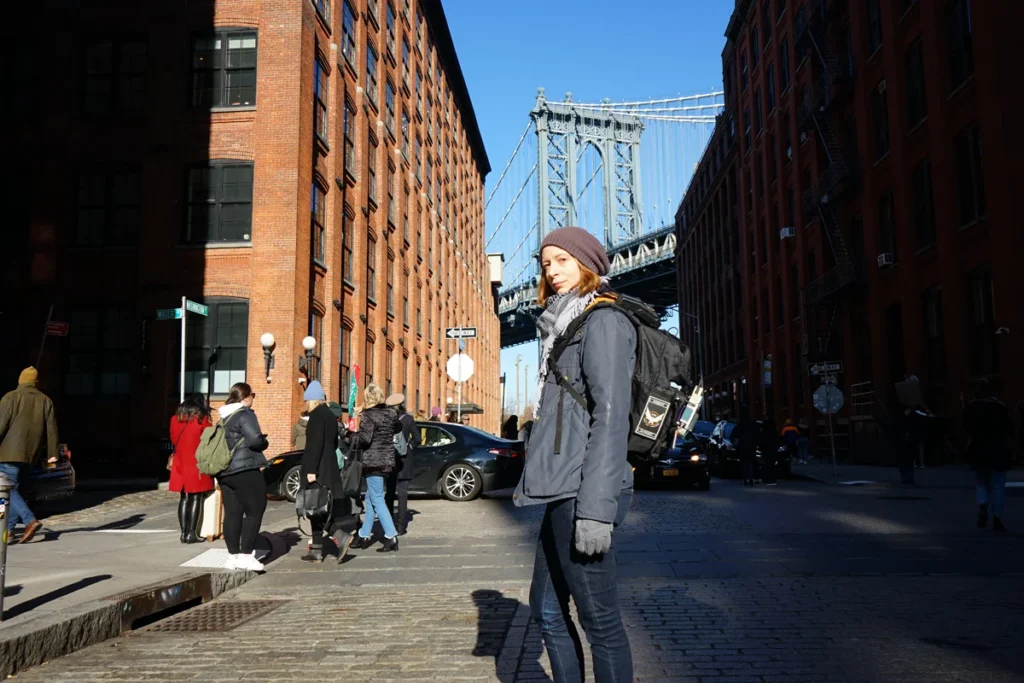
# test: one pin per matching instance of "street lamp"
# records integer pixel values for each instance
(267, 342)
(308, 343)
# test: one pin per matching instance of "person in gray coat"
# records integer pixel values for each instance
(576, 464)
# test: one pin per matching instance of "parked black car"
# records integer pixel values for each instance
(50, 481)
(702, 430)
(685, 464)
(453, 460)
(723, 458)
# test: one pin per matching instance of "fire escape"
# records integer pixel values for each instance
(822, 296)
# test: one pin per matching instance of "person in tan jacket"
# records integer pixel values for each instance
(26, 418)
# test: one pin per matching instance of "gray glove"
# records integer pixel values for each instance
(592, 537)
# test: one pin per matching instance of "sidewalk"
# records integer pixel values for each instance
(945, 477)
(62, 590)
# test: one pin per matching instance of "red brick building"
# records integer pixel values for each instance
(304, 169)
(873, 231)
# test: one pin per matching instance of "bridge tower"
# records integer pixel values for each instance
(563, 132)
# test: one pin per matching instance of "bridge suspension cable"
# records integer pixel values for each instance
(512, 206)
(509, 164)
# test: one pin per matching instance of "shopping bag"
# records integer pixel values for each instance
(213, 516)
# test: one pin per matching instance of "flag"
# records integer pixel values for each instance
(353, 392)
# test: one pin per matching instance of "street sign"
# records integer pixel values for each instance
(460, 367)
(824, 368)
(168, 314)
(56, 329)
(193, 307)
(828, 399)
(460, 332)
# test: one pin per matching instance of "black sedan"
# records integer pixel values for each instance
(686, 464)
(453, 460)
(50, 480)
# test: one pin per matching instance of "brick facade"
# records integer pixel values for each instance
(438, 255)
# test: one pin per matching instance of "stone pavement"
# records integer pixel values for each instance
(946, 476)
(803, 582)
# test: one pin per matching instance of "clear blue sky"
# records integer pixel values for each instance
(648, 49)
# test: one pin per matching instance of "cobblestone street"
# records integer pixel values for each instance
(805, 582)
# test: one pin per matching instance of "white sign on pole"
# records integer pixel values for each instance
(828, 399)
(460, 332)
(460, 367)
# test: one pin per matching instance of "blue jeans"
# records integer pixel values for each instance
(376, 508)
(992, 490)
(560, 572)
(18, 511)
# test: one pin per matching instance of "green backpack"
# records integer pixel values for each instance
(213, 455)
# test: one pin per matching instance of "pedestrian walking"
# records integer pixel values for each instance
(746, 436)
(510, 430)
(26, 420)
(577, 466)
(791, 439)
(406, 441)
(241, 483)
(187, 425)
(987, 421)
(320, 466)
(299, 432)
(435, 414)
(375, 435)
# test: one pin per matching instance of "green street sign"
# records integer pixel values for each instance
(193, 307)
(168, 314)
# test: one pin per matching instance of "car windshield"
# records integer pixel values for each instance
(703, 428)
(686, 440)
(729, 427)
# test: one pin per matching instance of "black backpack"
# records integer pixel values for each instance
(662, 360)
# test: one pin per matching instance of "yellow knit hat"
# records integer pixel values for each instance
(28, 376)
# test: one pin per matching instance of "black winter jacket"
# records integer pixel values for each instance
(376, 439)
(318, 457)
(243, 431)
(412, 438)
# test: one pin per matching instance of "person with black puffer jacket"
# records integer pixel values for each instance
(378, 425)
(241, 483)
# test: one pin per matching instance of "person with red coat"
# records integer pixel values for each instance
(187, 427)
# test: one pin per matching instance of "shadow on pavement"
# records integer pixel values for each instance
(499, 635)
(30, 605)
(121, 524)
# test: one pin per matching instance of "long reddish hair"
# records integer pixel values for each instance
(589, 282)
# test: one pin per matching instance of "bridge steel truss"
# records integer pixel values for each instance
(564, 129)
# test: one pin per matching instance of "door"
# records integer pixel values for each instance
(429, 459)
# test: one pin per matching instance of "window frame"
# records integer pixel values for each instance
(968, 155)
(371, 268)
(348, 34)
(922, 195)
(109, 206)
(318, 222)
(218, 165)
(220, 95)
(321, 93)
(107, 359)
(214, 305)
(371, 82)
(118, 78)
(917, 100)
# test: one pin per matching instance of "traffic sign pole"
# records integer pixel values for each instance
(181, 381)
(831, 429)
(460, 383)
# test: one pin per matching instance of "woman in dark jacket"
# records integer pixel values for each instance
(242, 485)
(987, 421)
(577, 463)
(320, 464)
(378, 425)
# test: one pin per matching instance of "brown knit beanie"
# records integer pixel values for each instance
(583, 246)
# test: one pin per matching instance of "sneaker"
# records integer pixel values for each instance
(250, 563)
(232, 562)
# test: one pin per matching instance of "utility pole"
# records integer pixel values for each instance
(526, 387)
(519, 359)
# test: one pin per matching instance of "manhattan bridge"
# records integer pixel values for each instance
(618, 169)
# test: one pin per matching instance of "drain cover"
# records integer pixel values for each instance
(219, 616)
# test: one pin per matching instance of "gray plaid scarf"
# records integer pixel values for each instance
(561, 309)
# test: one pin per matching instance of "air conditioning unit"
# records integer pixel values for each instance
(787, 233)
(885, 260)
(881, 87)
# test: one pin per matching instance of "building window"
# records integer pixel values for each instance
(350, 145)
(371, 169)
(924, 211)
(371, 75)
(323, 8)
(220, 202)
(874, 26)
(794, 291)
(419, 319)
(970, 179)
(984, 356)
(744, 76)
(371, 7)
(758, 112)
(771, 88)
(391, 286)
(224, 69)
(348, 34)
(886, 225)
(389, 107)
(216, 345)
(959, 41)
(934, 336)
(100, 360)
(344, 361)
(405, 63)
(405, 229)
(318, 213)
(388, 362)
(766, 21)
(405, 311)
(371, 269)
(108, 208)
(392, 202)
(780, 303)
(115, 78)
(773, 169)
(746, 132)
(368, 370)
(790, 208)
(880, 111)
(320, 77)
(390, 19)
(755, 49)
(418, 153)
(316, 330)
(419, 93)
(347, 238)
(405, 134)
(917, 107)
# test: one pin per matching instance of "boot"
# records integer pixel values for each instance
(982, 516)
(388, 545)
(182, 507)
(192, 514)
(997, 524)
(361, 543)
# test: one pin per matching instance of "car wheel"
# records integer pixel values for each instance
(461, 483)
(289, 486)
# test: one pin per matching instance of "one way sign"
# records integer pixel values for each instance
(460, 332)
(824, 369)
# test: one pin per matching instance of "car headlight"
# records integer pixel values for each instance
(696, 457)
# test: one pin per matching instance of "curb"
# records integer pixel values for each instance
(40, 640)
